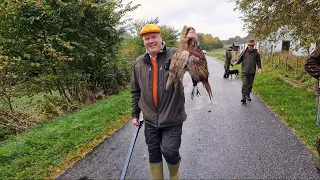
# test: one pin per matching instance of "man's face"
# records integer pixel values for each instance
(250, 47)
(152, 41)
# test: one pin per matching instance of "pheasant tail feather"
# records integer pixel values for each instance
(208, 88)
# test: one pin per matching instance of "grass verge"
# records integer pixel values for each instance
(295, 105)
(53, 145)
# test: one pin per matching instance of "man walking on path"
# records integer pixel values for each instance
(163, 109)
(312, 67)
(250, 58)
(227, 62)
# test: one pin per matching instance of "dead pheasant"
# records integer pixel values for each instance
(189, 57)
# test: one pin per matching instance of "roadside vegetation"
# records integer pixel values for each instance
(52, 146)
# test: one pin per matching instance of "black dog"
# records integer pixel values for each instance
(234, 71)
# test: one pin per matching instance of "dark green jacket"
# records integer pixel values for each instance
(171, 109)
(312, 65)
(249, 60)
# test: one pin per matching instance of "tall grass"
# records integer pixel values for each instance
(288, 66)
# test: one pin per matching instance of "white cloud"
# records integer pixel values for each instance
(215, 17)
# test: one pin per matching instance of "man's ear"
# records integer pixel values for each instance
(161, 37)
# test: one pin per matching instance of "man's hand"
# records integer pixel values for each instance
(135, 122)
(192, 34)
(259, 71)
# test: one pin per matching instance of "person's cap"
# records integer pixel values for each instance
(251, 43)
(150, 28)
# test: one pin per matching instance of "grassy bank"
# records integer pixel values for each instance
(53, 145)
(295, 105)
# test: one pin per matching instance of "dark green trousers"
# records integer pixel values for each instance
(247, 82)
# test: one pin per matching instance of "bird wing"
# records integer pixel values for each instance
(197, 64)
(177, 68)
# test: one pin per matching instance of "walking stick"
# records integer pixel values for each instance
(131, 146)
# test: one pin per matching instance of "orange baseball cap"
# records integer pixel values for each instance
(149, 28)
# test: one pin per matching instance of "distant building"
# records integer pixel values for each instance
(286, 43)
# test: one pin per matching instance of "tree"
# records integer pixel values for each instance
(66, 46)
(207, 41)
(237, 39)
(270, 19)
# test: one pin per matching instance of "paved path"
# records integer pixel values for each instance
(232, 141)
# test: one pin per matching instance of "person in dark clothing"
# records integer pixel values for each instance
(163, 109)
(312, 66)
(227, 62)
(250, 59)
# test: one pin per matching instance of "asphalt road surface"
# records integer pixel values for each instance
(233, 141)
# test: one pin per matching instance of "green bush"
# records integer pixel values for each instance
(63, 43)
(14, 122)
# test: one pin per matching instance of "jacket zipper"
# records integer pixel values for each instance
(157, 118)
(159, 78)
(149, 77)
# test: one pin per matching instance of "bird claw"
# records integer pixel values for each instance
(197, 92)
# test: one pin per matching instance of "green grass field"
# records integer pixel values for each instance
(218, 53)
(25, 102)
(54, 144)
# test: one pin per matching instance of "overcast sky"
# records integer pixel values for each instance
(215, 17)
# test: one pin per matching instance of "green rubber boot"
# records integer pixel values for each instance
(174, 171)
(156, 170)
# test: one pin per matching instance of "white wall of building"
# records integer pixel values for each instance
(277, 46)
(274, 47)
